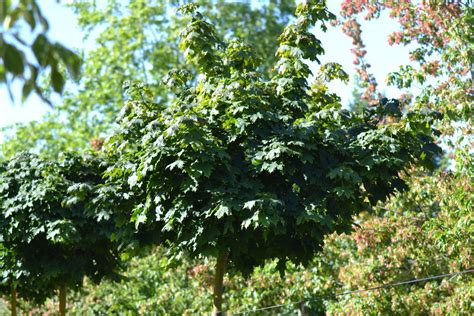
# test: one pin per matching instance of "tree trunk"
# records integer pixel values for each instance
(218, 287)
(62, 300)
(13, 302)
(302, 309)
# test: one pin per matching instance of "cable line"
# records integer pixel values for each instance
(375, 288)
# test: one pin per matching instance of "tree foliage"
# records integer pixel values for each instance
(16, 47)
(252, 167)
(136, 42)
(422, 232)
(51, 233)
(439, 33)
(425, 232)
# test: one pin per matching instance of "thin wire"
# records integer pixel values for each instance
(269, 307)
(384, 286)
(406, 282)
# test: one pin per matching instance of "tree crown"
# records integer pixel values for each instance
(257, 168)
(51, 232)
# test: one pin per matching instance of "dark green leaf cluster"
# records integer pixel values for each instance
(51, 232)
(257, 168)
(15, 48)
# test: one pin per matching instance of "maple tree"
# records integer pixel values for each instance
(51, 233)
(244, 168)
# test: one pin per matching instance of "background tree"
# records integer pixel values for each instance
(422, 233)
(425, 231)
(51, 233)
(232, 169)
(16, 45)
(439, 32)
(137, 41)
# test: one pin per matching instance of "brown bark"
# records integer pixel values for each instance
(218, 286)
(13, 302)
(62, 300)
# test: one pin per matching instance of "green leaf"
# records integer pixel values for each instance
(28, 86)
(177, 164)
(70, 60)
(57, 80)
(222, 211)
(250, 204)
(41, 49)
(13, 60)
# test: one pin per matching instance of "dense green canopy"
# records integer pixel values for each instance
(51, 234)
(255, 168)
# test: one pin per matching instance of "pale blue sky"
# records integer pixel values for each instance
(381, 56)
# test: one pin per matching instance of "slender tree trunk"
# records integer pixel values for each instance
(302, 309)
(62, 300)
(218, 287)
(13, 302)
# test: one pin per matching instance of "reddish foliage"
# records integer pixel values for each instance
(97, 143)
(422, 23)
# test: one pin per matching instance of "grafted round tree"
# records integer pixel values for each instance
(245, 169)
(51, 234)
